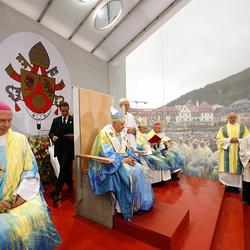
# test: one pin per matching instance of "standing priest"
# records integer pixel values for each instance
(230, 166)
(130, 123)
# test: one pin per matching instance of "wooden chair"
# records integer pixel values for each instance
(91, 114)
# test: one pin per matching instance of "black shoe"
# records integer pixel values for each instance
(175, 176)
(236, 190)
(246, 203)
(230, 189)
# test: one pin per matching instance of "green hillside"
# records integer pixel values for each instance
(222, 92)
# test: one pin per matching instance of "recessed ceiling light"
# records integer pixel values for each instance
(108, 14)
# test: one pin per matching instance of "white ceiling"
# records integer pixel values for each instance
(74, 20)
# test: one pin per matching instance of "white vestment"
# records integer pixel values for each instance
(130, 123)
(244, 153)
(228, 179)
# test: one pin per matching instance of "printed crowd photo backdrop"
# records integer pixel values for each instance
(33, 79)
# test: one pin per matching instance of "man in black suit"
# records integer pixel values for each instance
(61, 133)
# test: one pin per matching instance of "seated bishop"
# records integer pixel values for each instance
(172, 156)
(24, 217)
(153, 159)
(155, 139)
(124, 177)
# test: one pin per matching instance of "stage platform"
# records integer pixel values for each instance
(184, 216)
(200, 196)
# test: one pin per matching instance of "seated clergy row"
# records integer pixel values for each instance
(160, 155)
(126, 177)
(161, 161)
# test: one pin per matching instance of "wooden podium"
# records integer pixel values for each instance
(91, 114)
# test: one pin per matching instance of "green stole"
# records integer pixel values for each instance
(226, 151)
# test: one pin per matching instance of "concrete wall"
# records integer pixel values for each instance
(117, 81)
(85, 69)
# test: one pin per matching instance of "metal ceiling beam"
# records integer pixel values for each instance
(44, 11)
(83, 21)
(163, 13)
(118, 25)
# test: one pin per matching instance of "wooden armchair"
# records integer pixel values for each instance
(91, 114)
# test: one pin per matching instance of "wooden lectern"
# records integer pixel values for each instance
(91, 114)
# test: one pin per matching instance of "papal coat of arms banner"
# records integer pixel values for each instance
(33, 80)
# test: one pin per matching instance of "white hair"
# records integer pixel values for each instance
(122, 100)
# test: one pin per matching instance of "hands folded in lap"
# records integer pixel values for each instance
(129, 160)
(16, 201)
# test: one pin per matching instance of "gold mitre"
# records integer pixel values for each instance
(142, 122)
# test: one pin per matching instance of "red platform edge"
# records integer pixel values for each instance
(143, 231)
(246, 210)
(217, 218)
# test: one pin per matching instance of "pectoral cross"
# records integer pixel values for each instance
(111, 134)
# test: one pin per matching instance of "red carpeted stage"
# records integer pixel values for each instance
(190, 214)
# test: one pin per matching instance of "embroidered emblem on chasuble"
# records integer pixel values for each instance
(119, 146)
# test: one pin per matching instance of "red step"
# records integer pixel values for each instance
(193, 200)
(160, 227)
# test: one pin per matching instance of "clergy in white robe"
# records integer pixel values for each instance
(131, 128)
(174, 159)
(156, 149)
(244, 145)
(230, 167)
(153, 162)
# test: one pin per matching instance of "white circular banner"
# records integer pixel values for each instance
(34, 79)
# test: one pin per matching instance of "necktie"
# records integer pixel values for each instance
(64, 120)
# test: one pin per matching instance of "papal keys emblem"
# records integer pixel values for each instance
(38, 86)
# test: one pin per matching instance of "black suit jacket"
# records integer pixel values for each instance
(64, 145)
